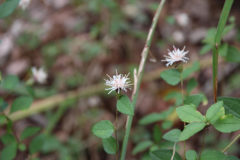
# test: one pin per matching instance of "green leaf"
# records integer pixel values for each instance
(227, 124)
(103, 129)
(157, 134)
(231, 105)
(3, 119)
(3, 105)
(172, 135)
(191, 129)
(233, 54)
(206, 48)
(209, 39)
(192, 83)
(212, 154)
(195, 99)
(50, 144)
(21, 103)
(176, 96)
(142, 146)
(8, 138)
(223, 50)
(10, 82)
(124, 105)
(190, 70)
(231, 158)
(155, 117)
(29, 131)
(22, 147)
(188, 113)
(215, 112)
(9, 152)
(167, 124)
(164, 154)
(110, 145)
(191, 155)
(37, 143)
(171, 76)
(8, 7)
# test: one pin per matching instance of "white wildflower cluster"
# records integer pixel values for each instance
(175, 56)
(24, 4)
(117, 83)
(39, 75)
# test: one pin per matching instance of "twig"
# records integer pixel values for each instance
(174, 151)
(139, 76)
(231, 143)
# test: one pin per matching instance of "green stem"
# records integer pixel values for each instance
(182, 91)
(138, 77)
(231, 143)
(221, 25)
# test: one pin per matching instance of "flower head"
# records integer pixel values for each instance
(117, 83)
(176, 55)
(24, 4)
(39, 75)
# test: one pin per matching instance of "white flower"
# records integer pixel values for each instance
(24, 4)
(176, 55)
(39, 75)
(182, 19)
(118, 82)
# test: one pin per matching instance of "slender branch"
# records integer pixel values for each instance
(184, 124)
(116, 128)
(231, 143)
(138, 77)
(174, 150)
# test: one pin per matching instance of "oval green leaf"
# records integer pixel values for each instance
(103, 129)
(110, 145)
(29, 131)
(171, 76)
(191, 129)
(227, 124)
(191, 155)
(172, 135)
(215, 112)
(142, 146)
(124, 105)
(21, 103)
(231, 105)
(188, 113)
(8, 7)
(164, 154)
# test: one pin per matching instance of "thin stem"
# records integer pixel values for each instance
(138, 77)
(215, 73)
(116, 133)
(231, 143)
(182, 91)
(220, 29)
(174, 150)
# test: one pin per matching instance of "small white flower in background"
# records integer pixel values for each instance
(183, 19)
(178, 37)
(24, 4)
(176, 55)
(117, 83)
(39, 75)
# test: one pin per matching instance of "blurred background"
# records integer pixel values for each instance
(78, 42)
